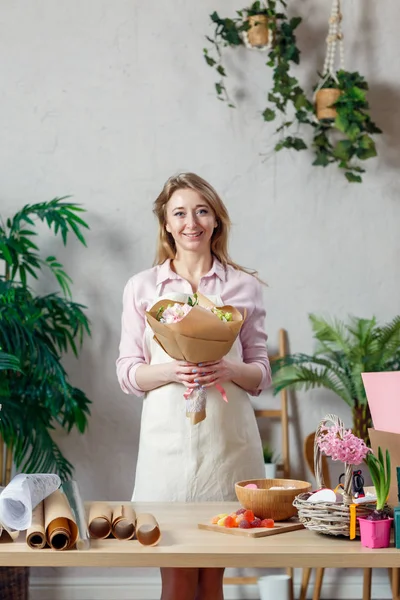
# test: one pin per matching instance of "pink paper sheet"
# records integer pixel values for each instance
(383, 395)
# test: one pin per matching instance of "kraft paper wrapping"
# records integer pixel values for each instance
(196, 406)
(100, 518)
(201, 336)
(147, 530)
(60, 526)
(123, 522)
(36, 533)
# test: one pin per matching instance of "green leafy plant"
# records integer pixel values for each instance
(286, 94)
(346, 141)
(379, 470)
(343, 352)
(36, 331)
(8, 362)
(269, 454)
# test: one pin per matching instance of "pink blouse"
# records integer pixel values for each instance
(237, 288)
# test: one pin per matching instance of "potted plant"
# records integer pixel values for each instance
(264, 27)
(258, 16)
(325, 97)
(37, 330)
(269, 462)
(343, 352)
(375, 528)
(343, 132)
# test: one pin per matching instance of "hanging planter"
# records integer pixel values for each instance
(342, 127)
(325, 103)
(258, 34)
(264, 28)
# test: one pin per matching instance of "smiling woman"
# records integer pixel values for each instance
(178, 461)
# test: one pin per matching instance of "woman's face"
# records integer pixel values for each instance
(190, 221)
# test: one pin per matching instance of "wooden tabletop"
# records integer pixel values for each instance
(184, 545)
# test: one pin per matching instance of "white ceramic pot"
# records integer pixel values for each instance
(275, 586)
(270, 470)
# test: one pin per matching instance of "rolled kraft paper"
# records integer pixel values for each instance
(59, 523)
(123, 522)
(147, 530)
(36, 534)
(100, 517)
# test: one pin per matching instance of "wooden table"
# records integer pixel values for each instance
(184, 545)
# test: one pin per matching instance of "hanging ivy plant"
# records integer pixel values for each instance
(286, 93)
(342, 133)
(346, 140)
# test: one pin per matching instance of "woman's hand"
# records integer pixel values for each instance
(212, 373)
(183, 372)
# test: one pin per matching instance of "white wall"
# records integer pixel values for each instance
(104, 100)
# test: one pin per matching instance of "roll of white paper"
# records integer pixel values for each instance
(274, 587)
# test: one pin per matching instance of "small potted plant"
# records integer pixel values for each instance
(325, 98)
(265, 28)
(343, 132)
(258, 32)
(269, 462)
(375, 528)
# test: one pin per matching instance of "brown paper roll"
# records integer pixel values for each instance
(59, 523)
(36, 534)
(147, 530)
(100, 517)
(123, 522)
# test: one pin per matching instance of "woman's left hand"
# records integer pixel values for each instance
(212, 373)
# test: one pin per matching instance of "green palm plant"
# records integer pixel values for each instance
(35, 331)
(343, 352)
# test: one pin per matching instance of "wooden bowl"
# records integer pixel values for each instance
(271, 504)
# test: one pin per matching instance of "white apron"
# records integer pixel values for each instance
(181, 462)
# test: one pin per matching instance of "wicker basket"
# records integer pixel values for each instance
(329, 517)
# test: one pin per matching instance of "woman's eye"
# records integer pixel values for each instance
(178, 214)
(203, 211)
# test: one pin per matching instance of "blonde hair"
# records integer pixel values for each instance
(219, 241)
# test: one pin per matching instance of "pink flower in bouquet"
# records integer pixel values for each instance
(342, 445)
(174, 313)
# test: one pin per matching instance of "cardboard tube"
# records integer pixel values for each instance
(147, 530)
(123, 522)
(36, 534)
(100, 517)
(59, 523)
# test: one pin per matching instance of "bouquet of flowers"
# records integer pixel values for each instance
(197, 332)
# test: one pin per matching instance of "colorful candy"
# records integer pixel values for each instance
(245, 519)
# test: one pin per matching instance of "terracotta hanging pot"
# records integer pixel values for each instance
(258, 33)
(324, 100)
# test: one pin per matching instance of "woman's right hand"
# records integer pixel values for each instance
(183, 372)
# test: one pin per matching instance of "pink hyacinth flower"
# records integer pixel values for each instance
(342, 445)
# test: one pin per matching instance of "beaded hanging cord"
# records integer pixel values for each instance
(249, 46)
(334, 39)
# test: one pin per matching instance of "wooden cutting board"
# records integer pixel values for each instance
(279, 527)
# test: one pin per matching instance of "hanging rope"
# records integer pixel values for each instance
(334, 39)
